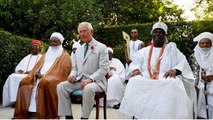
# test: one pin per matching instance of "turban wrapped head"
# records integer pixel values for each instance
(57, 35)
(203, 35)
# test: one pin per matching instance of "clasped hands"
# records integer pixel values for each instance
(207, 78)
(71, 79)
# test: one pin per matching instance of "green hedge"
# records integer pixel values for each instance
(182, 33)
(13, 50)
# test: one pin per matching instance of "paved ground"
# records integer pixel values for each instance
(7, 112)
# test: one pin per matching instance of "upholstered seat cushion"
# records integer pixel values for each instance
(77, 93)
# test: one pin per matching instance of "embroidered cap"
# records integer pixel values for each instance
(160, 25)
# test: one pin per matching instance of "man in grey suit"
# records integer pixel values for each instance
(90, 65)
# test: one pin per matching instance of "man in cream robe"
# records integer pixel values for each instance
(37, 91)
(10, 88)
(116, 85)
(161, 84)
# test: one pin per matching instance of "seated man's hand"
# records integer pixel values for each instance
(85, 82)
(170, 73)
(207, 78)
(27, 72)
(136, 72)
(20, 71)
(129, 61)
(71, 79)
(112, 68)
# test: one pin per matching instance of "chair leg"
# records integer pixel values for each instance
(97, 108)
(105, 107)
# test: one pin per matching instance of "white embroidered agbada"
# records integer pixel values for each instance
(116, 86)
(134, 46)
(204, 59)
(169, 98)
(10, 88)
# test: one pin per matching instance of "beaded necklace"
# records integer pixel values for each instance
(30, 60)
(153, 74)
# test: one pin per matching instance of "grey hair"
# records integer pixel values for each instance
(86, 24)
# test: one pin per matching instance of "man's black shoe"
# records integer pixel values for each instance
(117, 106)
(14, 105)
(69, 117)
(83, 118)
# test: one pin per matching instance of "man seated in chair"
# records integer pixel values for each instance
(37, 96)
(116, 85)
(162, 83)
(10, 88)
(88, 73)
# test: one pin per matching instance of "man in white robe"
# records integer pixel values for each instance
(202, 67)
(10, 88)
(134, 45)
(75, 46)
(37, 91)
(161, 84)
(116, 85)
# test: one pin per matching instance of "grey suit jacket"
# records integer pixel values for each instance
(94, 65)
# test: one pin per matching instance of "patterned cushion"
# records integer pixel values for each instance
(77, 92)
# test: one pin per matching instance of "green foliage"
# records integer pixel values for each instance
(39, 18)
(182, 33)
(119, 12)
(203, 9)
(13, 50)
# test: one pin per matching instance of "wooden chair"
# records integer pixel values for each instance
(77, 96)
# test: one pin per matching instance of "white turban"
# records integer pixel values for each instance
(203, 35)
(204, 57)
(110, 49)
(76, 44)
(160, 25)
(58, 35)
